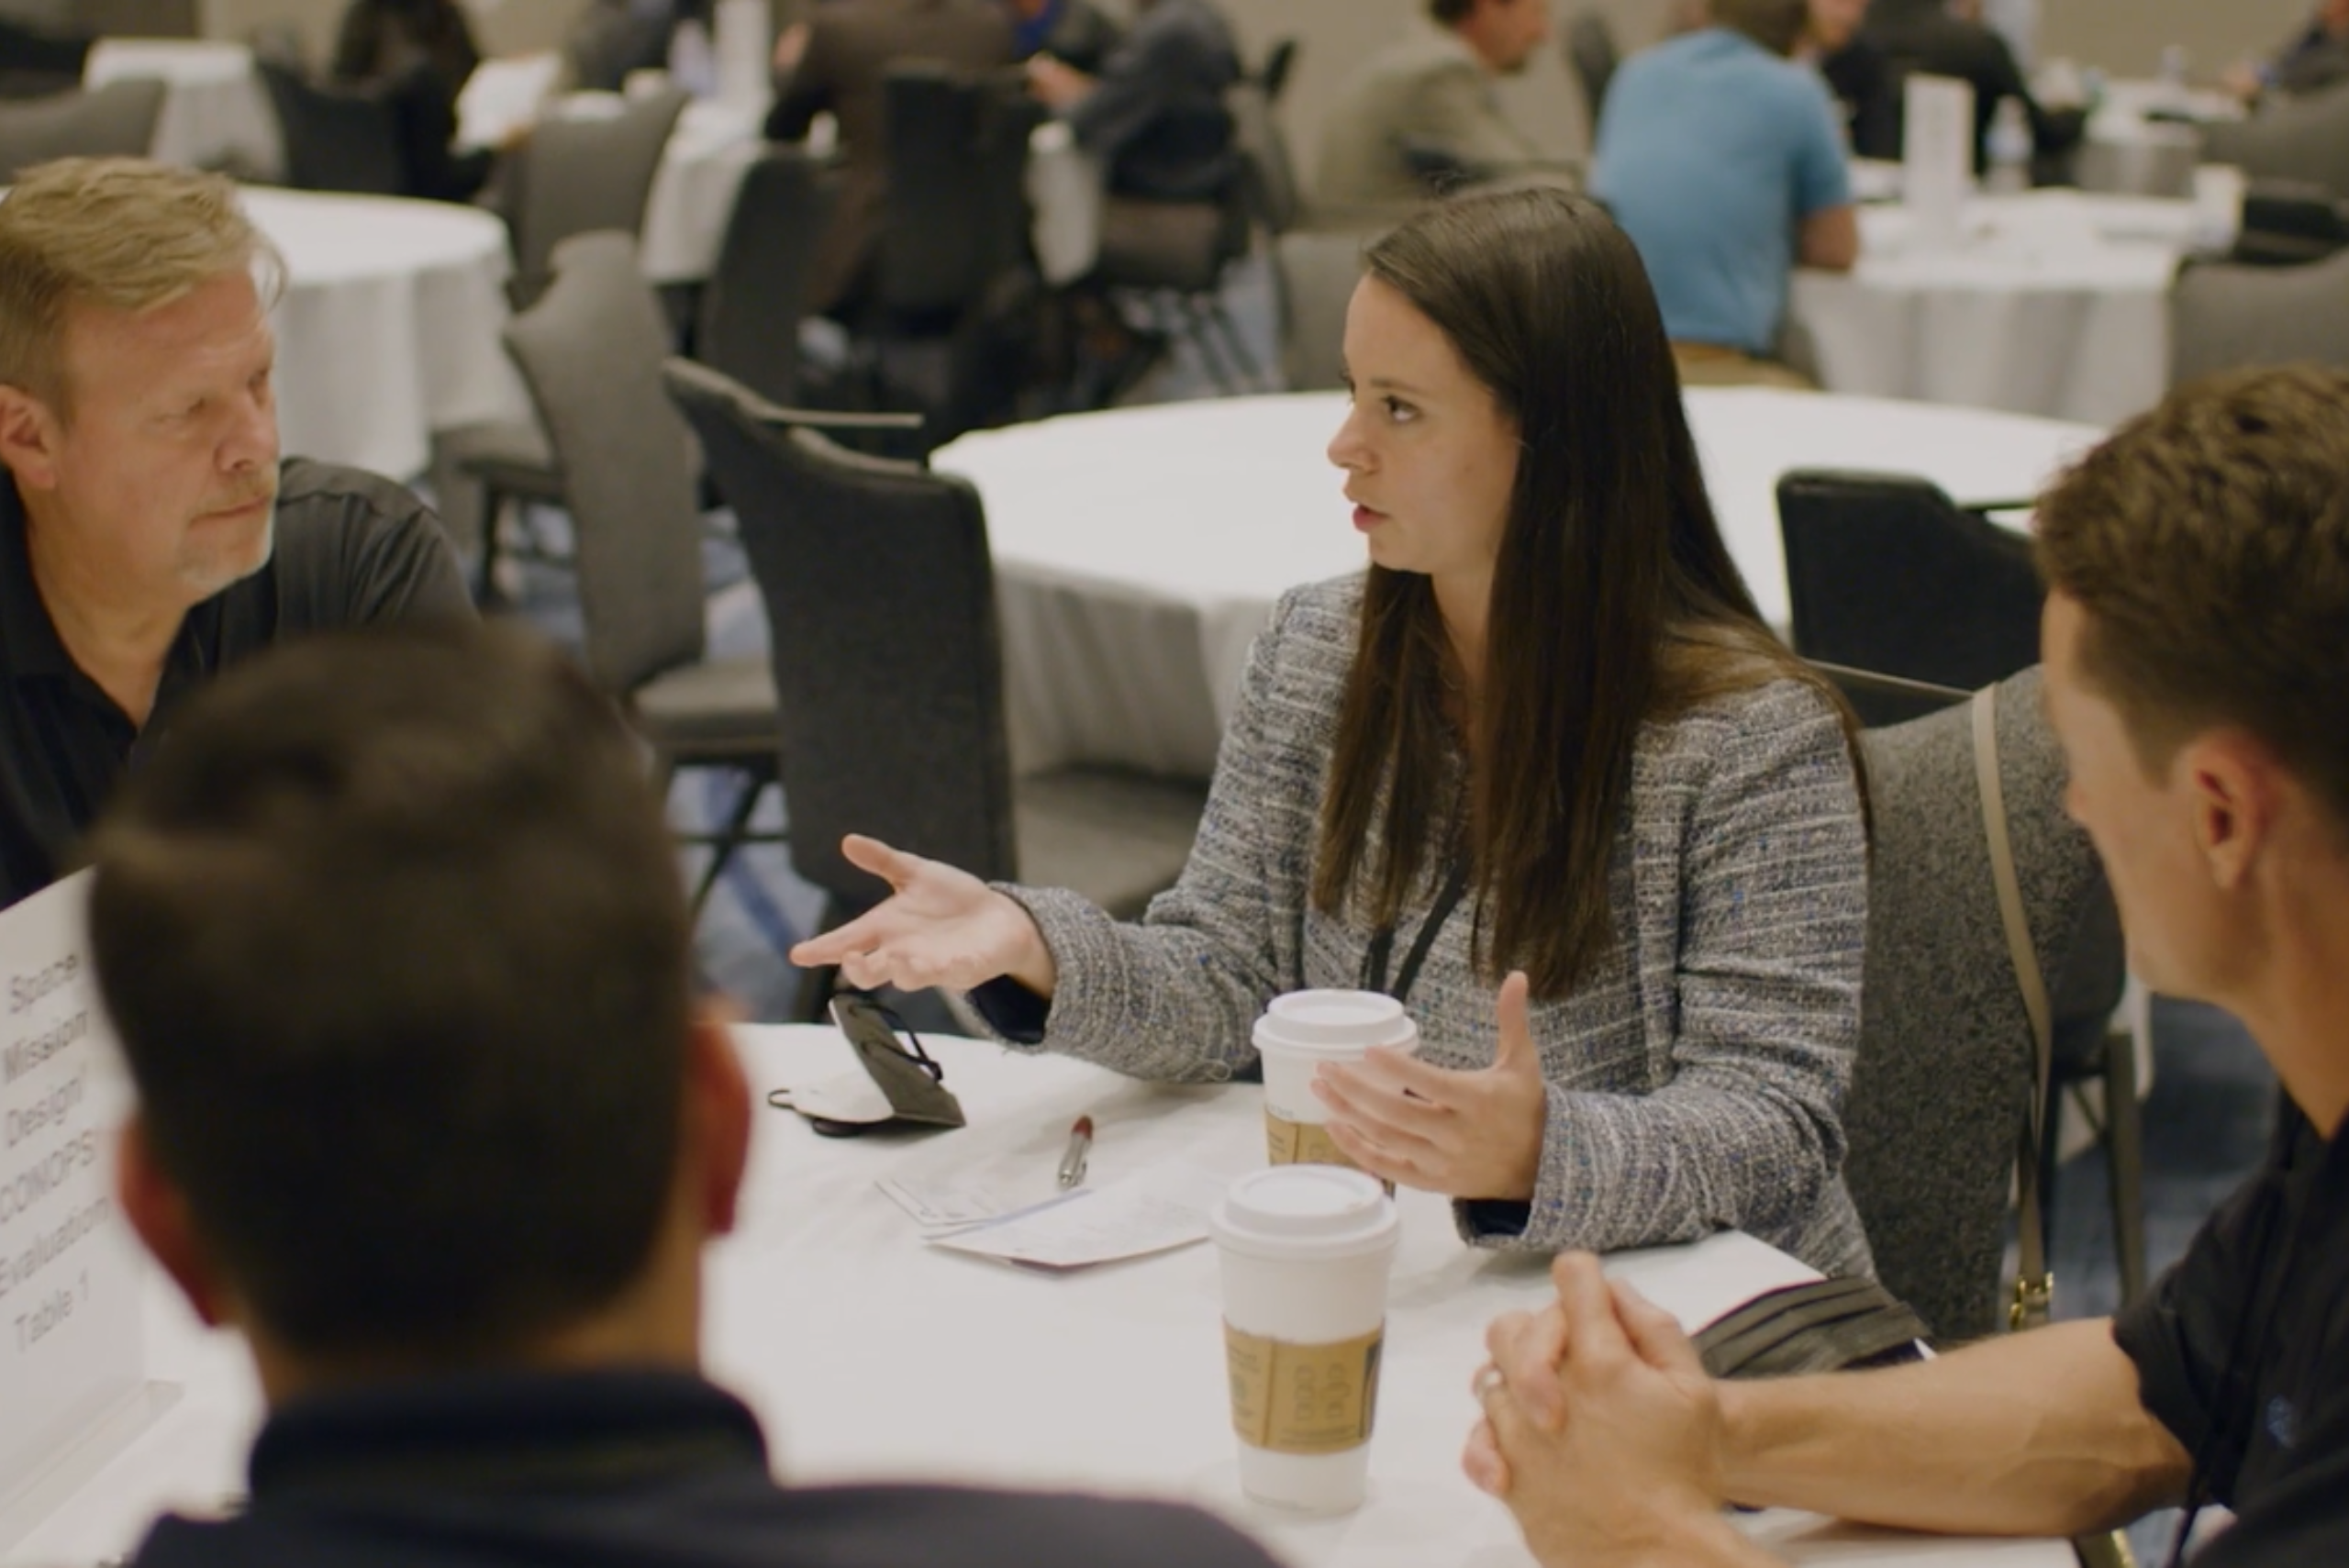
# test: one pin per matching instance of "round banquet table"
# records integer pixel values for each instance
(869, 1355)
(388, 327)
(1138, 552)
(215, 113)
(2056, 303)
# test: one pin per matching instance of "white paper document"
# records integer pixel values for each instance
(503, 96)
(1154, 1211)
(955, 1196)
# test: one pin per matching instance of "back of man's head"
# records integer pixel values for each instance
(1776, 25)
(392, 932)
(2208, 545)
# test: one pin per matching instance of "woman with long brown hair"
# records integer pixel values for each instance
(1546, 743)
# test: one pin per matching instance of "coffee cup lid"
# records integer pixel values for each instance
(1306, 1211)
(1347, 1021)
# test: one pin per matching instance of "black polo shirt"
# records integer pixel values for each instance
(646, 1469)
(2242, 1352)
(351, 549)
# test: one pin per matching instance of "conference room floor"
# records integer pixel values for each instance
(2206, 1120)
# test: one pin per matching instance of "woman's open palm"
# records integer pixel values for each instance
(938, 927)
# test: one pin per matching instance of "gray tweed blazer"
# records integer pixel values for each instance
(1695, 1080)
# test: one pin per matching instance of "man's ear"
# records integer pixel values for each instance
(29, 436)
(157, 1212)
(2235, 781)
(716, 1132)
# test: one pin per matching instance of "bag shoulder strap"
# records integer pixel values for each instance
(2034, 1284)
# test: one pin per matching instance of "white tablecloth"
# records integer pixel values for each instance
(388, 329)
(693, 191)
(2057, 304)
(216, 113)
(1138, 552)
(869, 1355)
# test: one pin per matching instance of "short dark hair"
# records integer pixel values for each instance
(1449, 13)
(2208, 544)
(393, 934)
(1776, 25)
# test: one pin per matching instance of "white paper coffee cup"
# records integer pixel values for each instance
(1298, 1033)
(1306, 1251)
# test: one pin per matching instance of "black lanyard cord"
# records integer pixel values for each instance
(1382, 941)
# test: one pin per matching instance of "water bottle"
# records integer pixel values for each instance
(2009, 149)
(693, 59)
(2174, 96)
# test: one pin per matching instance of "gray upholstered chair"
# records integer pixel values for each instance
(1314, 274)
(1268, 171)
(751, 308)
(2222, 315)
(1945, 1075)
(579, 176)
(573, 176)
(1884, 572)
(115, 120)
(2296, 138)
(591, 353)
(39, 56)
(881, 612)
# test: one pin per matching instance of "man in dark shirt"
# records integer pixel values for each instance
(1904, 38)
(2198, 566)
(395, 940)
(148, 534)
(1154, 115)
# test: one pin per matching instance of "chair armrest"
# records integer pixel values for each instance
(835, 418)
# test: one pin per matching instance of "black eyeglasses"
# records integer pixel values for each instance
(871, 1023)
(912, 1081)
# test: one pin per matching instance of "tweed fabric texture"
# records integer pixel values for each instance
(1696, 1079)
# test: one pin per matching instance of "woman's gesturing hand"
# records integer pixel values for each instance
(1467, 1135)
(938, 927)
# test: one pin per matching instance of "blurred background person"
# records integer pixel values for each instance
(835, 64)
(2314, 59)
(1074, 32)
(1930, 37)
(1723, 160)
(1153, 114)
(1856, 69)
(1430, 97)
(380, 39)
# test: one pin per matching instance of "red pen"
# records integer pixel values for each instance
(1080, 1144)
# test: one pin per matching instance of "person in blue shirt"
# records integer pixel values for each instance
(1721, 159)
(1073, 32)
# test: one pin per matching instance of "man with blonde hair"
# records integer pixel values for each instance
(2197, 643)
(150, 534)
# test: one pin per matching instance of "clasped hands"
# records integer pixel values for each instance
(1469, 1134)
(1602, 1432)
